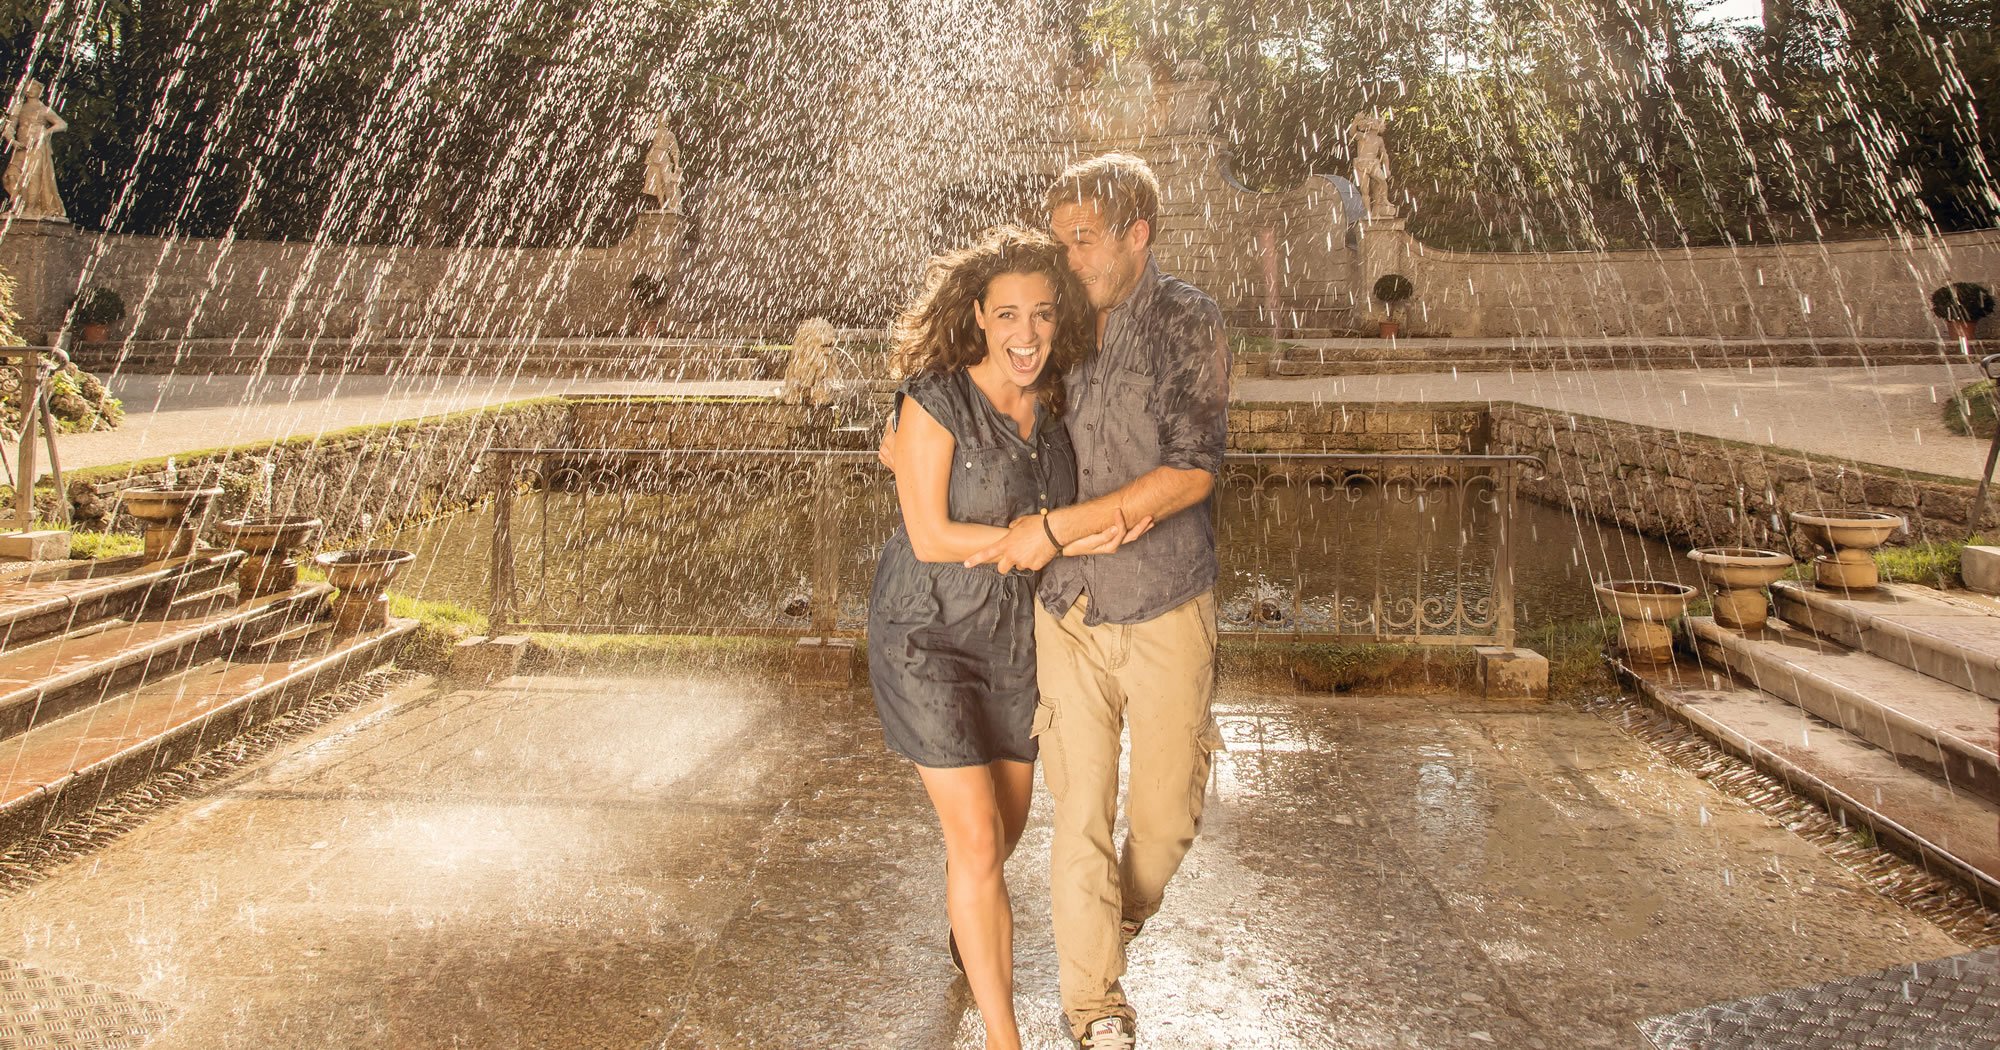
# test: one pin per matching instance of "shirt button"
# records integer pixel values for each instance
(1012, 456)
(1090, 426)
(1034, 455)
(1042, 495)
(968, 464)
(1086, 472)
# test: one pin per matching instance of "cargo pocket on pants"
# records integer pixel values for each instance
(1207, 741)
(1054, 775)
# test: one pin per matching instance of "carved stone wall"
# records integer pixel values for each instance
(1871, 289)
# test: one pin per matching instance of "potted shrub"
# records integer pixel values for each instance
(1393, 289)
(1962, 304)
(96, 312)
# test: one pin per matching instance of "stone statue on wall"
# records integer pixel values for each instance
(1371, 163)
(31, 171)
(663, 167)
(813, 372)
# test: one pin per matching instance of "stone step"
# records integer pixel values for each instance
(1938, 728)
(1947, 830)
(57, 771)
(1950, 639)
(59, 676)
(49, 603)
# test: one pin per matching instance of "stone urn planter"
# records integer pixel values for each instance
(269, 542)
(166, 513)
(361, 576)
(1644, 609)
(1848, 536)
(1736, 578)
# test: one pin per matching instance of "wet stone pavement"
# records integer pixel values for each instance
(711, 861)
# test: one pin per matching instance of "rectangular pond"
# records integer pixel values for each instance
(735, 551)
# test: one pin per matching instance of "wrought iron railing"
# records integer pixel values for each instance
(1315, 547)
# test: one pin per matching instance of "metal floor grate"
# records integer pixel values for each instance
(1944, 1004)
(51, 1012)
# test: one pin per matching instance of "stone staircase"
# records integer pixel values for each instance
(1883, 706)
(113, 671)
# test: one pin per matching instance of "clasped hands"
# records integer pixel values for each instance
(1027, 546)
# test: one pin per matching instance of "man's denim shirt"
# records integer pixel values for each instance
(1155, 394)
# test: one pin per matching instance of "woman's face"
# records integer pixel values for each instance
(1018, 315)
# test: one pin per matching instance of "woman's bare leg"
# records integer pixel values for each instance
(975, 845)
(1014, 790)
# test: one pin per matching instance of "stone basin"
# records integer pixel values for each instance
(1858, 529)
(369, 569)
(266, 534)
(1738, 576)
(1644, 607)
(1849, 535)
(163, 505)
(1740, 567)
(1650, 601)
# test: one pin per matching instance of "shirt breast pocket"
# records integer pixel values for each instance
(1129, 422)
(985, 484)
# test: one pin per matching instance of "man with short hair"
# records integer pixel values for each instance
(1126, 639)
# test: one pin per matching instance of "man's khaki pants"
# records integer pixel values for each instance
(1158, 677)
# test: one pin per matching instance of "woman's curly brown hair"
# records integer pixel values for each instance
(938, 332)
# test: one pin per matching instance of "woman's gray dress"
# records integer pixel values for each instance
(951, 650)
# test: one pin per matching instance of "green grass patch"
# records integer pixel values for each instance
(1578, 671)
(90, 546)
(440, 626)
(1933, 564)
(1971, 411)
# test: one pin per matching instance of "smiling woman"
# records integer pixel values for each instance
(951, 648)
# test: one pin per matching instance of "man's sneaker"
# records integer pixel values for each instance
(1108, 1033)
(1128, 929)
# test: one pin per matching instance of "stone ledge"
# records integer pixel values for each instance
(42, 545)
(482, 659)
(823, 663)
(1512, 674)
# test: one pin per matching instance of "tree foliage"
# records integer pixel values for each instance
(1591, 123)
(1542, 124)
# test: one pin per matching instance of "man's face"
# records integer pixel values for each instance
(1108, 264)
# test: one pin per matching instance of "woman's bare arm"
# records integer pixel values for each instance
(923, 489)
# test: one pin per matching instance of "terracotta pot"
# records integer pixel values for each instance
(1963, 330)
(1388, 329)
(94, 333)
(1737, 576)
(1644, 609)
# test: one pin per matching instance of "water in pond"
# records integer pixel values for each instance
(740, 557)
